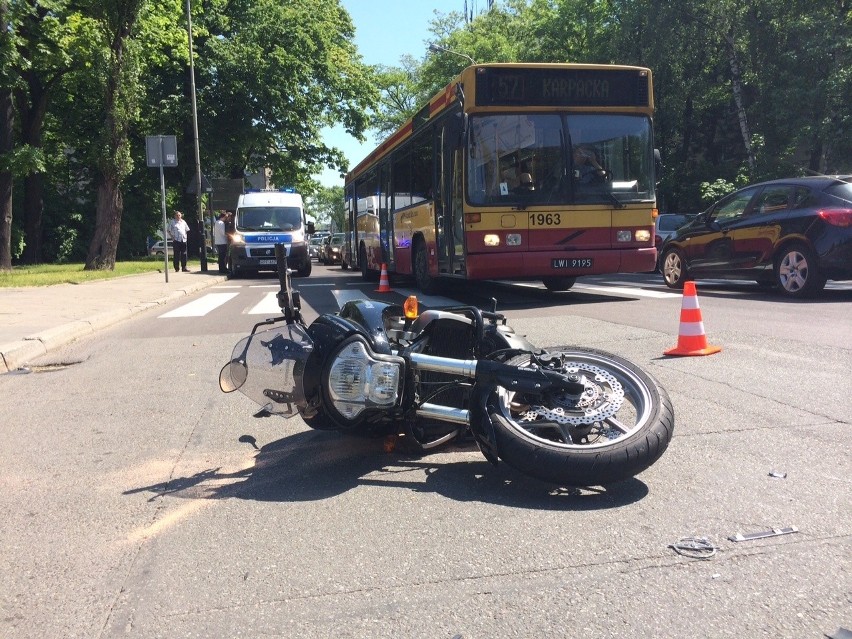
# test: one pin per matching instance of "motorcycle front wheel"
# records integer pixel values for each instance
(620, 425)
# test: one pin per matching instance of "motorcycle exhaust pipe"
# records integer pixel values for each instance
(444, 413)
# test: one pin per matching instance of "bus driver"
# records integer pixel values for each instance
(587, 169)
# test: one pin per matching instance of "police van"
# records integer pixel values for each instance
(262, 220)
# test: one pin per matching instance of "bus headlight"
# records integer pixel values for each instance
(491, 239)
(642, 235)
(359, 379)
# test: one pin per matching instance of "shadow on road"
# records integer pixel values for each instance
(313, 465)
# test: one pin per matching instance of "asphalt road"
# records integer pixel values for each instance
(139, 501)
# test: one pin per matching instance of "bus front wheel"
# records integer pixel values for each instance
(558, 283)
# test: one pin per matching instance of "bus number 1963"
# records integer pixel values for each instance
(545, 219)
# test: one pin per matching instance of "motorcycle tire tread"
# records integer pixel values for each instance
(593, 466)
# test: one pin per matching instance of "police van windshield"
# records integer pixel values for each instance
(269, 218)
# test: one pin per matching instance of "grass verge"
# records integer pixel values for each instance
(49, 274)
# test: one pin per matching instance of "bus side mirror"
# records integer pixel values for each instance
(455, 129)
(311, 229)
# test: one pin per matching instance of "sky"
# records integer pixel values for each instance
(385, 30)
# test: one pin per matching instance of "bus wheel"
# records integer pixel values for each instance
(558, 283)
(425, 282)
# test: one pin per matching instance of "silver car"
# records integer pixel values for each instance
(158, 248)
(315, 246)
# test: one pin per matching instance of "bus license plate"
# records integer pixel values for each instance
(267, 262)
(572, 262)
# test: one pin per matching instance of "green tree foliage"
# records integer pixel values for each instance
(275, 74)
(269, 75)
(327, 207)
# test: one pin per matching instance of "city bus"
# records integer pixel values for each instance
(513, 172)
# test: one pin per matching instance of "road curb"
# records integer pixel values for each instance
(15, 355)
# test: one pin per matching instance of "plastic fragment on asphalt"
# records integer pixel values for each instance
(694, 547)
(841, 633)
(23, 370)
(774, 532)
(780, 474)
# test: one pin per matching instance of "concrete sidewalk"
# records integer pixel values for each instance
(36, 320)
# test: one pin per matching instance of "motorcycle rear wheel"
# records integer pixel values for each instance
(619, 426)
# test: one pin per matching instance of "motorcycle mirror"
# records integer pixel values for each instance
(232, 376)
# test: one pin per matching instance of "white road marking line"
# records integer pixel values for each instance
(267, 306)
(624, 290)
(201, 306)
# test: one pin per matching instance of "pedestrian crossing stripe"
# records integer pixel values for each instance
(201, 306)
(268, 305)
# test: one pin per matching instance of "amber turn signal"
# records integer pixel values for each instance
(410, 307)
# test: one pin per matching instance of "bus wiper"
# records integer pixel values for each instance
(618, 203)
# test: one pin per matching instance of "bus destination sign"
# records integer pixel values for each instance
(562, 87)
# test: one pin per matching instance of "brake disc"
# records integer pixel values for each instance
(602, 398)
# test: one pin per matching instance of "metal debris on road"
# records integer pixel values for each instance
(775, 532)
(694, 547)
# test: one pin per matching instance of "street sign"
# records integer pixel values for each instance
(226, 193)
(193, 185)
(161, 150)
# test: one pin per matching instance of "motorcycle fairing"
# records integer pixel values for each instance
(267, 367)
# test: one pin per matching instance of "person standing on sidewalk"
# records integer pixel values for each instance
(178, 230)
(220, 239)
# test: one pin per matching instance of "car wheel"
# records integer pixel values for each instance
(674, 268)
(558, 283)
(797, 273)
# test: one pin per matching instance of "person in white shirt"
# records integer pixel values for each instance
(220, 239)
(178, 231)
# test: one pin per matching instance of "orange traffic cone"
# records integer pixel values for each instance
(691, 339)
(384, 283)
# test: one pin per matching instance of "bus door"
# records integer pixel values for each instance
(449, 204)
(385, 218)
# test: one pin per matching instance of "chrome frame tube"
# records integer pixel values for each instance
(463, 367)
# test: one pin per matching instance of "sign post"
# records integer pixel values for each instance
(161, 151)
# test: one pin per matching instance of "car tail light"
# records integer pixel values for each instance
(836, 216)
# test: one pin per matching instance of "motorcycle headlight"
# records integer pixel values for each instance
(359, 379)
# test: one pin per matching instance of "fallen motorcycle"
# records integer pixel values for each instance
(572, 416)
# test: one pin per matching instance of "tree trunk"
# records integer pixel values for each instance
(112, 167)
(110, 207)
(737, 88)
(33, 218)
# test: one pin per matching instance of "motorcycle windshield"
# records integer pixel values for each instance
(268, 366)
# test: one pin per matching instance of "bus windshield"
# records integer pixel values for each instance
(570, 158)
(269, 218)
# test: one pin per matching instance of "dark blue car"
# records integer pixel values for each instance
(793, 233)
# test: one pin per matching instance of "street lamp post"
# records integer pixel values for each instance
(199, 191)
(438, 48)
